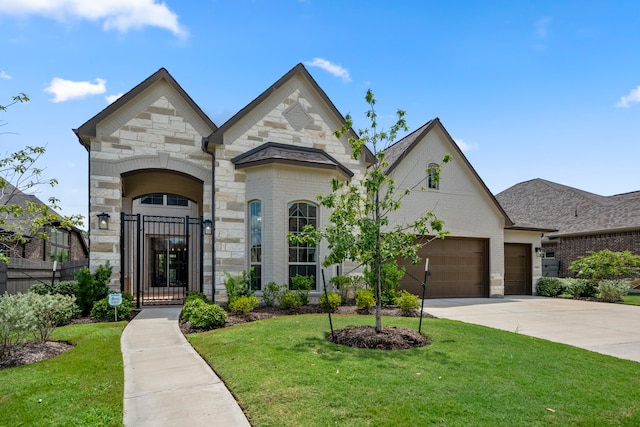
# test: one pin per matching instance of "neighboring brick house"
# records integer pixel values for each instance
(583, 221)
(28, 260)
(188, 201)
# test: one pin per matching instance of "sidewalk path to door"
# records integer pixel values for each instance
(166, 382)
(601, 327)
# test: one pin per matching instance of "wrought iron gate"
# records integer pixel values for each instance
(161, 257)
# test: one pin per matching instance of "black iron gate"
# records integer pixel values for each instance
(161, 258)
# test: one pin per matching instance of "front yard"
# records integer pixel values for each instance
(285, 373)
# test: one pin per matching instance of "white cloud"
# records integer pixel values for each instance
(632, 98)
(331, 68)
(464, 147)
(4, 75)
(120, 15)
(64, 90)
(111, 98)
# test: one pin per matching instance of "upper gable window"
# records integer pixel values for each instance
(433, 176)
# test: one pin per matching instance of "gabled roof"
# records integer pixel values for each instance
(570, 210)
(401, 149)
(88, 129)
(217, 136)
(273, 152)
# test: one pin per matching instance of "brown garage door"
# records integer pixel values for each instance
(459, 268)
(517, 269)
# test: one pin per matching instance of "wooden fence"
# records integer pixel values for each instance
(20, 274)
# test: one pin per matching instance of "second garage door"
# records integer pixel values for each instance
(459, 269)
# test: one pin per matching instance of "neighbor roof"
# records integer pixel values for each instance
(570, 210)
(273, 152)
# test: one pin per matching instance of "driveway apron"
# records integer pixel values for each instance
(605, 328)
(166, 382)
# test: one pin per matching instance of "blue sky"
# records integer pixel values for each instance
(529, 89)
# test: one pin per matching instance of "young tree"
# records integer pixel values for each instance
(360, 229)
(23, 216)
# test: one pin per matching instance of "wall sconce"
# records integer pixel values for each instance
(540, 252)
(208, 226)
(103, 221)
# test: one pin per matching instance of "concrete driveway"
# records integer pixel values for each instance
(612, 329)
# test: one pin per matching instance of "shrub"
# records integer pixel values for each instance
(103, 311)
(549, 287)
(64, 287)
(407, 301)
(613, 290)
(16, 321)
(330, 300)
(207, 316)
(190, 306)
(390, 275)
(243, 304)
(92, 287)
(237, 286)
(195, 295)
(365, 299)
(290, 299)
(271, 293)
(579, 287)
(606, 264)
(345, 286)
(302, 284)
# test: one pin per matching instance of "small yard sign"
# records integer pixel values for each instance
(115, 299)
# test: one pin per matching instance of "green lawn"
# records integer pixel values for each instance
(82, 387)
(631, 299)
(284, 373)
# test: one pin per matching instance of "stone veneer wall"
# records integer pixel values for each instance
(269, 122)
(569, 249)
(157, 131)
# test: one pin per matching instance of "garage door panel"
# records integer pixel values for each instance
(458, 267)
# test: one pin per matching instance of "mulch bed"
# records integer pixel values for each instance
(33, 352)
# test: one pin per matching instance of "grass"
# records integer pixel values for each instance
(631, 299)
(284, 373)
(81, 387)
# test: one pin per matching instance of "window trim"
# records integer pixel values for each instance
(431, 183)
(256, 278)
(314, 264)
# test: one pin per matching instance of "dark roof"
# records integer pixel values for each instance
(273, 152)
(217, 136)
(11, 195)
(569, 210)
(401, 149)
(89, 128)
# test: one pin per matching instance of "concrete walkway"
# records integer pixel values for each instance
(601, 327)
(166, 383)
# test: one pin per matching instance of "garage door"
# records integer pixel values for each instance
(459, 269)
(517, 269)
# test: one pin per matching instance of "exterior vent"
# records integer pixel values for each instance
(297, 117)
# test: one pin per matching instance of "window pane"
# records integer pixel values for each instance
(173, 200)
(152, 199)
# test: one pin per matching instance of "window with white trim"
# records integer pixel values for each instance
(255, 244)
(433, 176)
(303, 258)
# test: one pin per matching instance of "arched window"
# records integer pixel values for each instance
(433, 176)
(255, 243)
(303, 258)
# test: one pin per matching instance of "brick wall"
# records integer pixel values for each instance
(569, 249)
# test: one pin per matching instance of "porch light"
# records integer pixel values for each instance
(540, 252)
(208, 226)
(103, 221)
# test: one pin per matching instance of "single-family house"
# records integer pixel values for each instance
(176, 202)
(581, 222)
(31, 257)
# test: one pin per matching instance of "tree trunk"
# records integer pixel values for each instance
(378, 269)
